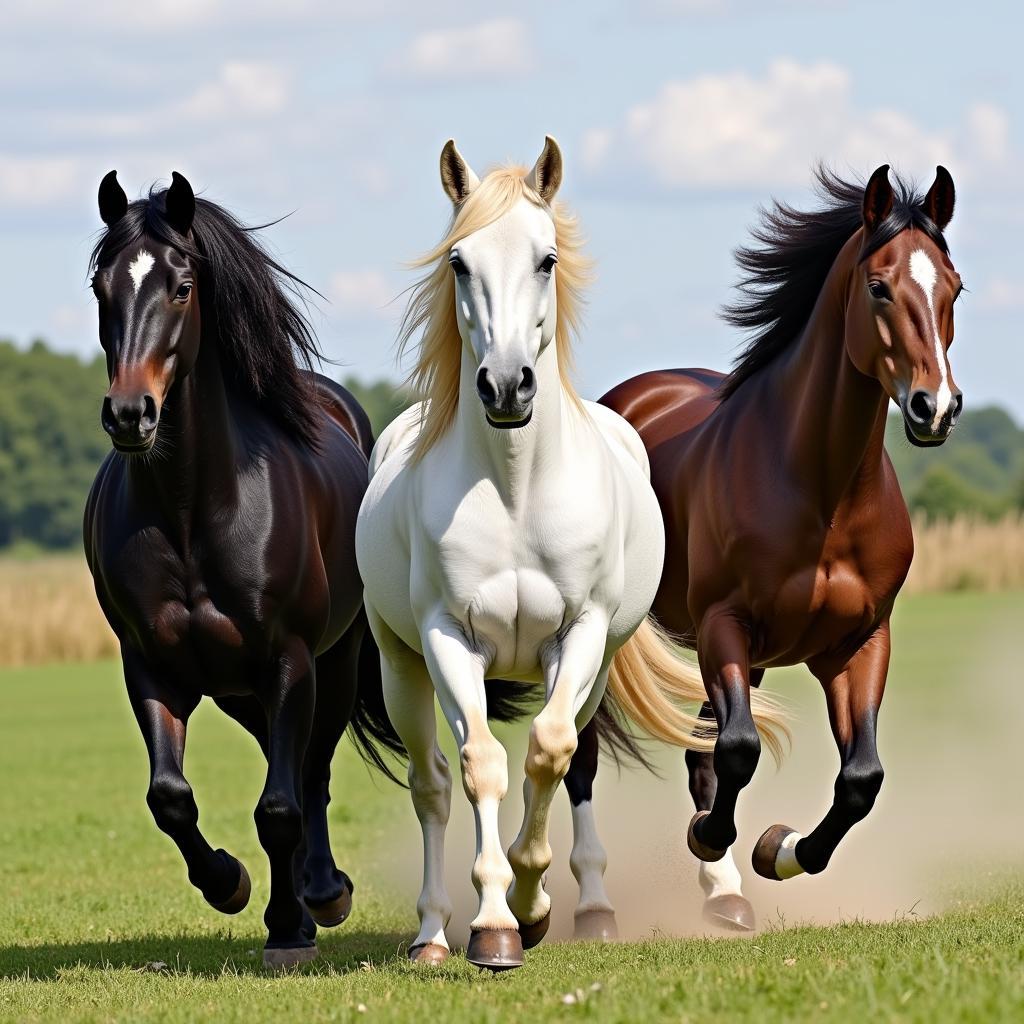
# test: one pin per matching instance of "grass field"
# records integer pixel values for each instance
(93, 895)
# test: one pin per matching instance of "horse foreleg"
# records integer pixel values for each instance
(594, 916)
(725, 906)
(409, 699)
(162, 713)
(853, 695)
(288, 704)
(724, 653)
(572, 669)
(457, 672)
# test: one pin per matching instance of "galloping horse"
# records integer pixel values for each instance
(510, 535)
(220, 533)
(787, 535)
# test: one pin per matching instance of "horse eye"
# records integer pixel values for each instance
(183, 292)
(548, 263)
(460, 268)
(879, 290)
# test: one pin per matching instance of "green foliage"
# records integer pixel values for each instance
(50, 443)
(383, 401)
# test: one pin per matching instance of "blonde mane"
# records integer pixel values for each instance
(436, 375)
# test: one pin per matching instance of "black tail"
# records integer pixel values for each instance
(374, 735)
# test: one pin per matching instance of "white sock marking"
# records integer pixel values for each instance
(922, 270)
(139, 268)
(786, 865)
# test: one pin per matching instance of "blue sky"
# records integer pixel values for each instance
(676, 119)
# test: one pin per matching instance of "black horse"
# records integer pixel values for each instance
(220, 535)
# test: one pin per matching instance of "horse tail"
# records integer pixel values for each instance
(372, 732)
(648, 681)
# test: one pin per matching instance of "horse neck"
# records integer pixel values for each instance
(834, 414)
(514, 457)
(198, 448)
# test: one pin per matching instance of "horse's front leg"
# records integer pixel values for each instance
(288, 702)
(853, 695)
(457, 671)
(162, 712)
(573, 669)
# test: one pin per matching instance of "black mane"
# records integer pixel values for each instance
(783, 276)
(250, 306)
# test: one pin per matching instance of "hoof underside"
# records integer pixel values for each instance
(765, 857)
(240, 897)
(334, 912)
(429, 953)
(496, 949)
(697, 848)
(531, 934)
(730, 911)
(595, 926)
(287, 959)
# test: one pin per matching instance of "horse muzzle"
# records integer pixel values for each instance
(925, 425)
(131, 421)
(507, 397)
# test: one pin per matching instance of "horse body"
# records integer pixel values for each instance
(787, 536)
(222, 544)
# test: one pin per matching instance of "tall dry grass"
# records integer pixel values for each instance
(968, 554)
(48, 610)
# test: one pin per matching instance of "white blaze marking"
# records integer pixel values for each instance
(922, 270)
(139, 268)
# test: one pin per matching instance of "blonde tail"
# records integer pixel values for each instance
(649, 679)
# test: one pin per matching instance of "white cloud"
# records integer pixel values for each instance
(253, 88)
(361, 293)
(34, 180)
(1002, 295)
(737, 130)
(499, 48)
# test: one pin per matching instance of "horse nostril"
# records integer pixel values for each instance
(148, 421)
(528, 385)
(922, 406)
(107, 417)
(485, 387)
(958, 407)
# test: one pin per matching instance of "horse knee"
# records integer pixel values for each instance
(484, 769)
(172, 804)
(858, 786)
(736, 753)
(278, 821)
(552, 744)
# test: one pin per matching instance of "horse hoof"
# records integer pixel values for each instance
(496, 949)
(596, 926)
(429, 953)
(532, 934)
(697, 848)
(288, 958)
(765, 857)
(731, 912)
(237, 902)
(333, 912)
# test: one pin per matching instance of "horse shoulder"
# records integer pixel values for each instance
(619, 434)
(398, 436)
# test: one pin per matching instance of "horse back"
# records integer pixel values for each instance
(340, 404)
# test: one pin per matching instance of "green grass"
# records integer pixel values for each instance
(92, 893)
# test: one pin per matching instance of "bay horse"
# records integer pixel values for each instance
(510, 539)
(220, 532)
(787, 535)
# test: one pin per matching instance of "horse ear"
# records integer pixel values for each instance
(878, 198)
(113, 201)
(180, 203)
(457, 176)
(941, 198)
(546, 175)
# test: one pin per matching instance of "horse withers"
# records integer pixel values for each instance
(510, 538)
(220, 534)
(787, 536)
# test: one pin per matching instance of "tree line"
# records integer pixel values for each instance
(51, 444)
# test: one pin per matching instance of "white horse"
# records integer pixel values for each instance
(510, 532)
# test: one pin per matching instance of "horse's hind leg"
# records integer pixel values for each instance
(724, 905)
(278, 815)
(595, 916)
(162, 714)
(853, 695)
(327, 889)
